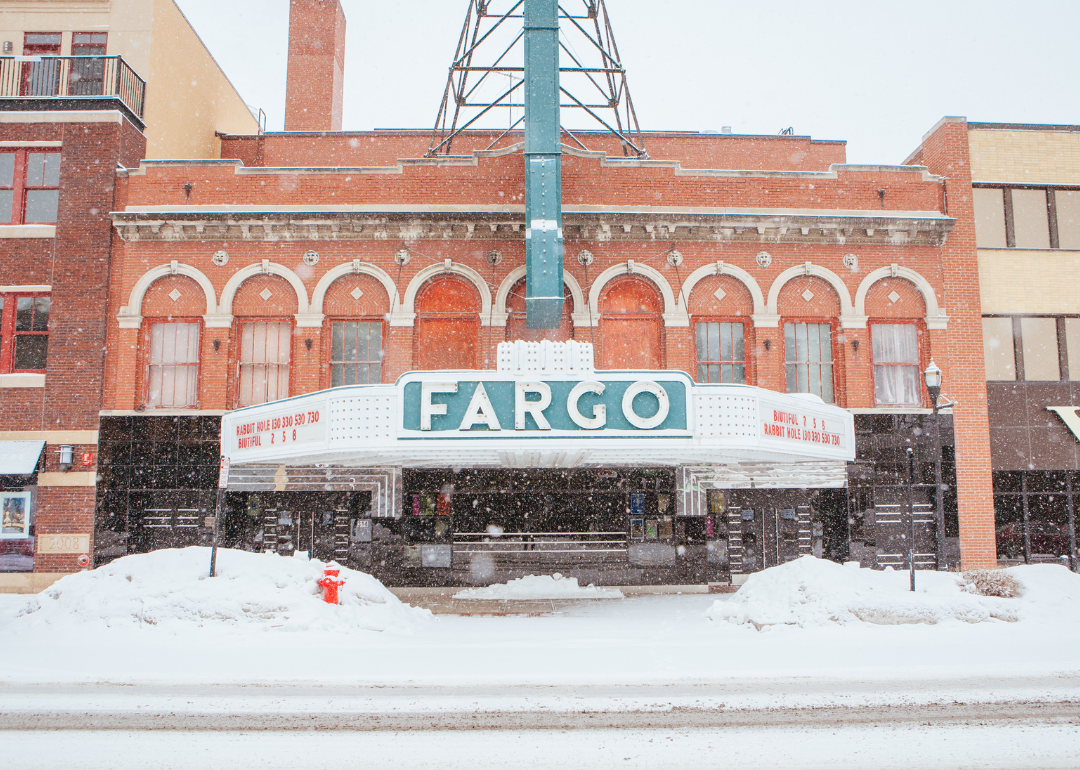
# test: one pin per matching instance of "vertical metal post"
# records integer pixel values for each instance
(911, 515)
(543, 167)
(939, 496)
(1070, 506)
(219, 511)
(1025, 517)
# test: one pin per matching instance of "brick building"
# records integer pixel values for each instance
(72, 110)
(1027, 203)
(316, 258)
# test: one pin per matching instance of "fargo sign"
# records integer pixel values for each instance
(492, 406)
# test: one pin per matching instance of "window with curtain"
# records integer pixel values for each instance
(172, 378)
(809, 361)
(896, 364)
(265, 354)
(721, 352)
(355, 353)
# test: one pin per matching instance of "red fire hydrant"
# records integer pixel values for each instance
(330, 584)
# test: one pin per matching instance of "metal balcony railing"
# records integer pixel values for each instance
(70, 78)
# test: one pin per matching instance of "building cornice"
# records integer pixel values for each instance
(501, 223)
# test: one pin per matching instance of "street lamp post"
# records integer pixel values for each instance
(911, 515)
(932, 376)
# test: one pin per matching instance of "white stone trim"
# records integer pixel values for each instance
(27, 231)
(40, 287)
(579, 315)
(19, 380)
(808, 268)
(674, 314)
(722, 268)
(406, 316)
(935, 315)
(130, 316)
(356, 267)
(63, 116)
(266, 267)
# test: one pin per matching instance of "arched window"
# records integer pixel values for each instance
(263, 311)
(447, 325)
(631, 325)
(516, 328)
(355, 307)
(172, 323)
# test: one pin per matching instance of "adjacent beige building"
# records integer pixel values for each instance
(188, 97)
(1026, 191)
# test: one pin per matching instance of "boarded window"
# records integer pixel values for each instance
(998, 349)
(631, 325)
(1038, 337)
(989, 217)
(896, 365)
(721, 352)
(355, 353)
(172, 379)
(265, 353)
(1068, 218)
(808, 353)
(447, 325)
(1031, 222)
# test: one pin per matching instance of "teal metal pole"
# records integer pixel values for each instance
(543, 167)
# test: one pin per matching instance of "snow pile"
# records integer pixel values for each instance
(171, 588)
(539, 587)
(812, 592)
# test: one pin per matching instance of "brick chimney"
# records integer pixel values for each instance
(316, 65)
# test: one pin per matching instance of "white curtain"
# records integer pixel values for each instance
(896, 365)
(174, 365)
(265, 352)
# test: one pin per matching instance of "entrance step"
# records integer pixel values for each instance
(441, 601)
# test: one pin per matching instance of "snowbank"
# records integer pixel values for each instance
(539, 587)
(171, 588)
(812, 592)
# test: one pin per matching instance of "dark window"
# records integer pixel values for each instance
(24, 333)
(87, 76)
(355, 353)
(721, 352)
(41, 77)
(808, 354)
(29, 187)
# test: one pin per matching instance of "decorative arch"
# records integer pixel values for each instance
(674, 312)
(847, 311)
(515, 275)
(356, 267)
(130, 316)
(935, 318)
(722, 268)
(266, 267)
(408, 303)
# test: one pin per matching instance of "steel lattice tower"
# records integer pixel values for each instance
(485, 90)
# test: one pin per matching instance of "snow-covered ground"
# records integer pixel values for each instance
(814, 592)
(97, 630)
(252, 669)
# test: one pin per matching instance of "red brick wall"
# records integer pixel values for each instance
(76, 263)
(386, 148)
(313, 97)
(945, 152)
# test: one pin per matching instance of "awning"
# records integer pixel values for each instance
(19, 458)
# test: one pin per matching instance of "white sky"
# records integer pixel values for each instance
(878, 73)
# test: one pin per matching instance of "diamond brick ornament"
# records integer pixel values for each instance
(808, 295)
(266, 294)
